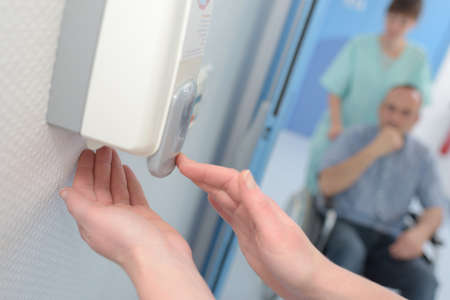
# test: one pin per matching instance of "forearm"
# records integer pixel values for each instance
(183, 282)
(429, 222)
(175, 287)
(338, 178)
(337, 283)
(325, 280)
(334, 103)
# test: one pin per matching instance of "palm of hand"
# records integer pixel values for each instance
(390, 140)
(273, 244)
(113, 215)
(407, 246)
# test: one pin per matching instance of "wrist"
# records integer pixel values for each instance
(143, 268)
(372, 151)
(421, 233)
(318, 278)
(150, 280)
(336, 122)
(134, 265)
(165, 278)
(319, 285)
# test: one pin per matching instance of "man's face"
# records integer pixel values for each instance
(398, 25)
(400, 109)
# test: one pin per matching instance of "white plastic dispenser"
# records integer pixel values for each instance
(126, 74)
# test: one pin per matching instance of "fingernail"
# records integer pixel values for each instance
(249, 180)
(63, 193)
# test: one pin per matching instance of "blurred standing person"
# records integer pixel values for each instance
(365, 69)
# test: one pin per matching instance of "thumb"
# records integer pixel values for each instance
(251, 195)
(248, 188)
(262, 210)
(77, 204)
(394, 246)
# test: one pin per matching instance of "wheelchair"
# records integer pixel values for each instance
(318, 227)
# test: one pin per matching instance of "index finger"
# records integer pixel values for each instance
(137, 196)
(217, 177)
(84, 176)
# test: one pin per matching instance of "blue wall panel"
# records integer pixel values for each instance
(311, 98)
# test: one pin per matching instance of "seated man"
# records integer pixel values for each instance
(371, 175)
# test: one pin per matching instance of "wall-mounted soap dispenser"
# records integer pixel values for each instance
(127, 74)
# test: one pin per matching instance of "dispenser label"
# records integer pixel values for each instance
(203, 3)
(198, 29)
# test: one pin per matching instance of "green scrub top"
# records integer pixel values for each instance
(361, 75)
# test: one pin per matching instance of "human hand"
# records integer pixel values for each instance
(114, 218)
(388, 140)
(274, 246)
(335, 130)
(408, 245)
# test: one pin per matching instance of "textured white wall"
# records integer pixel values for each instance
(41, 253)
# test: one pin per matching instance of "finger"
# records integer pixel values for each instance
(396, 251)
(399, 255)
(102, 179)
(248, 188)
(220, 209)
(392, 249)
(119, 189)
(223, 200)
(214, 176)
(137, 196)
(394, 254)
(84, 176)
(206, 188)
(77, 204)
(82, 233)
(261, 210)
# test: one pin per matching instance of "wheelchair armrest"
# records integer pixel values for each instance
(328, 226)
(316, 225)
(435, 240)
